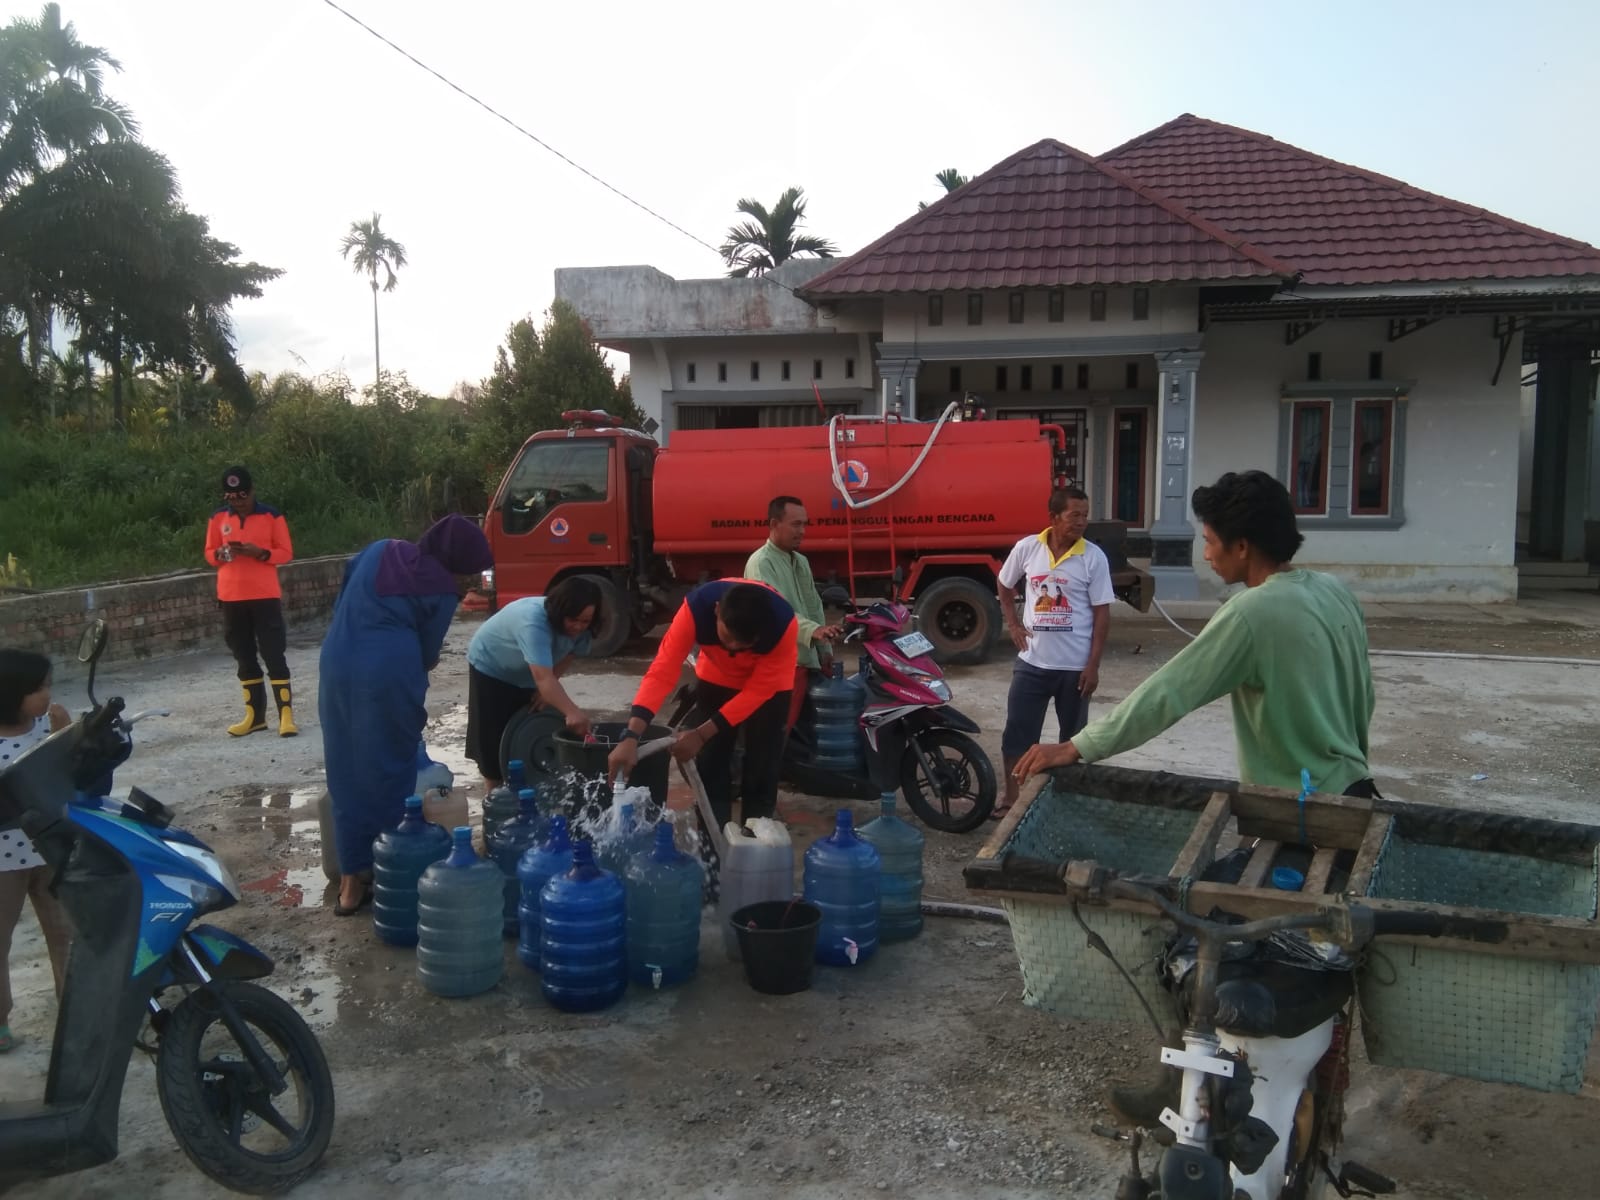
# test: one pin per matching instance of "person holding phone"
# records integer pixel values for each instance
(247, 541)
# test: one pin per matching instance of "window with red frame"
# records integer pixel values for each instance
(1308, 456)
(1372, 457)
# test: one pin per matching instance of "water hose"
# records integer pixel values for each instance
(833, 459)
(971, 912)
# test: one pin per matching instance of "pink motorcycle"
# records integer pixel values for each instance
(909, 737)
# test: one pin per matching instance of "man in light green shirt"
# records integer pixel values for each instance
(1290, 651)
(780, 565)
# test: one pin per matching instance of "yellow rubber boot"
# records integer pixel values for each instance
(285, 699)
(255, 708)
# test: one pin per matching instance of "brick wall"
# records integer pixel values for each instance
(165, 615)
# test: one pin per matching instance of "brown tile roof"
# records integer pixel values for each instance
(1047, 216)
(1337, 224)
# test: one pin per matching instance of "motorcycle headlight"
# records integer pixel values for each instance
(940, 689)
(211, 864)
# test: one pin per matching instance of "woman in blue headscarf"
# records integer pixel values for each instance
(388, 627)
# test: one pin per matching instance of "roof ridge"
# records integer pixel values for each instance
(826, 276)
(1208, 227)
(1173, 209)
(1375, 176)
(1148, 134)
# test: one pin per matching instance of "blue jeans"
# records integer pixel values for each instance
(1032, 691)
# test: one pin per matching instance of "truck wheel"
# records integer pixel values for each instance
(960, 617)
(615, 626)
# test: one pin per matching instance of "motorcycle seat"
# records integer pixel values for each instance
(1258, 998)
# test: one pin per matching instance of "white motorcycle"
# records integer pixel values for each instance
(1262, 1069)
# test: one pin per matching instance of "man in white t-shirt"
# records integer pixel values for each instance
(1066, 613)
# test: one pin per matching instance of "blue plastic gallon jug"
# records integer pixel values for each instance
(399, 856)
(539, 864)
(663, 894)
(459, 904)
(899, 845)
(582, 923)
(837, 703)
(500, 805)
(507, 846)
(842, 876)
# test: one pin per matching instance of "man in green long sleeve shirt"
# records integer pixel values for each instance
(1291, 651)
(780, 565)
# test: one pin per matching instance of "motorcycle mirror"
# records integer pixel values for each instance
(91, 645)
(93, 641)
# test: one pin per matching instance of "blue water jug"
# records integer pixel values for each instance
(459, 904)
(899, 845)
(842, 878)
(837, 703)
(399, 856)
(500, 805)
(582, 924)
(507, 846)
(663, 891)
(538, 866)
(626, 840)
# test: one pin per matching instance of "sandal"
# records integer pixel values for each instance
(7, 1041)
(342, 910)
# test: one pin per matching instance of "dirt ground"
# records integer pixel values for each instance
(920, 1074)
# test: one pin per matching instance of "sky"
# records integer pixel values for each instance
(286, 122)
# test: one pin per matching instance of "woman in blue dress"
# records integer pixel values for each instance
(389, 623)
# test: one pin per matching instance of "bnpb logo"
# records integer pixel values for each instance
(559, 527)
(853, 473)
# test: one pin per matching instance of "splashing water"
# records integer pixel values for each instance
(586, 802)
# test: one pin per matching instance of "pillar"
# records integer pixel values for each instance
(1172, 533)
(901, 373)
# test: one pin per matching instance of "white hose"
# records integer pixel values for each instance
(1456, 654)
(833, 459)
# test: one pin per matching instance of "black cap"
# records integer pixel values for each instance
(237, 479)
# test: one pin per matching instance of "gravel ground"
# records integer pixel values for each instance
(918, 1075)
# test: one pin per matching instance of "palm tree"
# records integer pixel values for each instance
(368, 248)
(950, 179)
(757, 246)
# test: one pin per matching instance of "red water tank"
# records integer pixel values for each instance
(980, 487)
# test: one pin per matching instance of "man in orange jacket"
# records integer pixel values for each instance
(746, 635)
(245, 541)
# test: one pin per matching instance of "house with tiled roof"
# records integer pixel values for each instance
(1200, 299)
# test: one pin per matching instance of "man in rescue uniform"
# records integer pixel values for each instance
(245, 541)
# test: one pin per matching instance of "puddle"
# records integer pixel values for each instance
(305, 887)
(284, 815)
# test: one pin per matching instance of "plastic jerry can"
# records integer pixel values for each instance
(759, 865)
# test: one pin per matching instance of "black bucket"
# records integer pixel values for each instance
(782, 948)
(589, 758)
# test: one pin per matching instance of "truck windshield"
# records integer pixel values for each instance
(567, 471)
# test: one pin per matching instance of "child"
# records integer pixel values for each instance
(26, 718)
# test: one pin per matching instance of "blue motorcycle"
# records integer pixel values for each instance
(243, 1082)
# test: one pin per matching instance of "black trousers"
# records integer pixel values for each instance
(763, 753)
(249, 625)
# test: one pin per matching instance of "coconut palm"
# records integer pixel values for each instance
(369, 248)
(768, 241)
(949, 179)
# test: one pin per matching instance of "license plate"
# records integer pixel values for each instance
(913, 644)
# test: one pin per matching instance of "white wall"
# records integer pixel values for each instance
(1461, 449)
(1172, 310)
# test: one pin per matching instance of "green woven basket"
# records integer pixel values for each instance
(1482, 1016)
(1060, 973)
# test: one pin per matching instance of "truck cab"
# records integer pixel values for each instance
(575, 502)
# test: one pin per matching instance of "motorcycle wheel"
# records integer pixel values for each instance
(961, 796)
(223, 1116)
